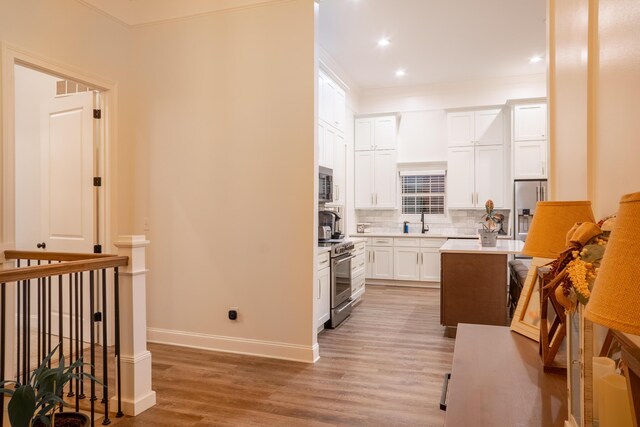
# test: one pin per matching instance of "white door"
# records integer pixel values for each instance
(363, 134)
(490, 175)
(530, 122)
(460, 177)
(382, 265)
(384, 133)
(489, 127)
(460, 129)
(363, 182)
(385, 179)
(67, 192)
(530, 159)
(406, 264)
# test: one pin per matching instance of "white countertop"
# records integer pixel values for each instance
(474, 247)
(426, 235)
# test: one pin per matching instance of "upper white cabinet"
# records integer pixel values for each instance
(375, 179)
(530, 144)
(339, 171)
(326, 141)
(476, 169)
(482, 127)
(376, 133)
(332, 103)
(530, 122)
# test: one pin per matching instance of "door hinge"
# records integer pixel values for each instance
(97, 316)
(97, 249)
(97, 181)
(97, 114)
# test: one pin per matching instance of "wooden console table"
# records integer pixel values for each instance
(497, 380)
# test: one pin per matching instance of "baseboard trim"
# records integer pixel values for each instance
(403, 283)
(270, 349)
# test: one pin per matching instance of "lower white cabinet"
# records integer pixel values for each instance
(407, 263)
(405, 258)
(322, 298)
(379, 263)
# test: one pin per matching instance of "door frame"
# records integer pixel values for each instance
(11, 55)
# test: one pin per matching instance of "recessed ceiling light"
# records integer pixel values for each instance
(535, 59)
(384, 42)
(400, 73)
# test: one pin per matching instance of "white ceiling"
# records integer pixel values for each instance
(433, 40)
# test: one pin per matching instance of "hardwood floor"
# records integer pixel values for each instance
(383, 367)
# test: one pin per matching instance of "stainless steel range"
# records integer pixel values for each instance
(341, 278)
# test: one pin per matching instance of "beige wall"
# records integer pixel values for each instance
(612, 98)
(215, 152)
(225, 176)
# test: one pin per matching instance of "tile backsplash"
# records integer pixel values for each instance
(454, 222)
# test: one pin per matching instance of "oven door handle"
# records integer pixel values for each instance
(343, 258)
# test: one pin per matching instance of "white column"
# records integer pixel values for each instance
(135, 360)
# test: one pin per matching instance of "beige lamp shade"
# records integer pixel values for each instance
(551, 223)
(615, 298)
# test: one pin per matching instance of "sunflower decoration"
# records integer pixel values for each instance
(577, 267)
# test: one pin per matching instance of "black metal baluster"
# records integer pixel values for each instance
(70, 393)
(25, 335)
(78, 355)
(81, 394)
(39, 292)
(92, 348)
(116, 296)
(60, 325)
(18, 330)
(105, 361)
(49, 319)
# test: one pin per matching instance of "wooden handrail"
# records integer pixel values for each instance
(52, 256)
(38, 271)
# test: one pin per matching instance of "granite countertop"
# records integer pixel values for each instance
(474, 247)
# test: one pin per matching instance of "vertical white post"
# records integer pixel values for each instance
(135, 360)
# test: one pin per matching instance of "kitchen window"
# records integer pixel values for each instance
(422, 192)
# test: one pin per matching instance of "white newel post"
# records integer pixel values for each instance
(137, 395)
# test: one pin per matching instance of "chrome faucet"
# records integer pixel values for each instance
(424, 230)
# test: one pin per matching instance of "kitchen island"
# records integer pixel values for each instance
(474, 282)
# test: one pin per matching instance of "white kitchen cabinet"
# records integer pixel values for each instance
(530, 122)
(321, 292)
(490, 175)
(461, 177)
(375, 179)
(474, 175)
(376, 133)
(339, 170)
(381, 263)
(482, 127)
(530, 159)
(406, 263)
(326, 141)
(332, 102)
(430, 264)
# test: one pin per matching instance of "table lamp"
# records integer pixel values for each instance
(546, 239)
(551, 223)
(615, 298)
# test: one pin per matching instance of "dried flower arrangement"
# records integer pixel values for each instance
(576, 269)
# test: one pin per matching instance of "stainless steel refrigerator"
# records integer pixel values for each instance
(526, 194)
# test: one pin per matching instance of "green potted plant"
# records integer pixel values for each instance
(34, 404)
(489, 231)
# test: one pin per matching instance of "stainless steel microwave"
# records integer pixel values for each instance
(325, 185)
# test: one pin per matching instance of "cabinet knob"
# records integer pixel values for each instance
(42, 245)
